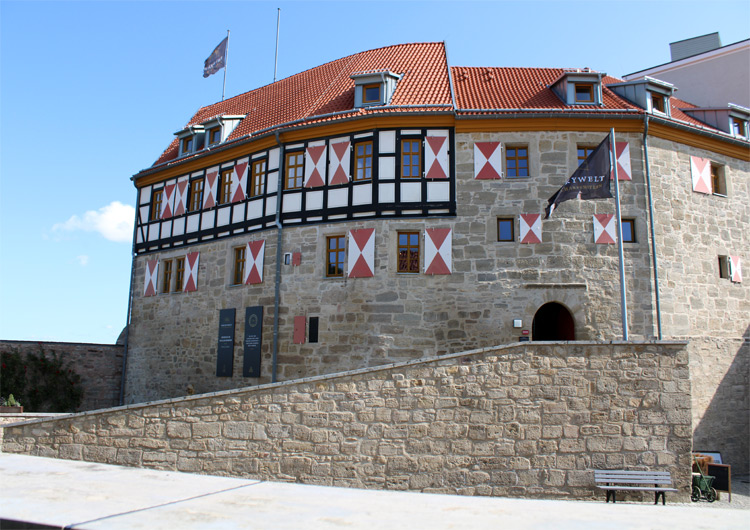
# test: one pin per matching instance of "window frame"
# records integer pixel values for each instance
(512, 222)
(718, 180)
(166, 275)
(633, 236)
(365, 157)
(658, 102)
(296, 167)
(408, 248)
(196, 186)
(589, 91)
(225, 186)
(379, 86)
(338, 251)
(418, 153)
(587, 149)
(516, 158)
(179, 274)
(257, 178)
(156, 200)
(186, 144)
(239, 259)
(210, 133)
(725, 269)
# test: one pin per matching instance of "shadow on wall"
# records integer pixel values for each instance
(725, 425)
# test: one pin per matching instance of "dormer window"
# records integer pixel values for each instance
(214, 135)
(373, 87)
(187, 144)
(210, 133)
(657, 103)
(648, 93)
(584, 93)
(739, 127)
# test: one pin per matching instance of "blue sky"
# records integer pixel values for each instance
(91, 92)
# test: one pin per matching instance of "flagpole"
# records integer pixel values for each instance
(623, 297)
(226, 66)
(276, 57)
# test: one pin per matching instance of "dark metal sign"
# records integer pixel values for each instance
(225, 350)
(253, 341)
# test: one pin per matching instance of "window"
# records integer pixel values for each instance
(584, 93)
(195, 200)
(371, 93)
(179, 274)
(724, 267)
(258, 178)
(335, 252)
(187, 144)
(239, 265)
(166, 279)
(214, 135)
(408, 252)
(294, 171)
(628, 231)
(517, 161)
(583, 153)
(225, 187)
(363, 161)
(411, 164)
(156, 205)
(505, 231)
(312, 335)
(718, 182)
(657, 103)
(738, 127)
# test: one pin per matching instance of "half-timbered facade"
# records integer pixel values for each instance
(387, 206)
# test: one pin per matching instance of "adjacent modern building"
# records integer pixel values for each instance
(388, 206)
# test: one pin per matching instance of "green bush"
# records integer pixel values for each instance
(40, 382)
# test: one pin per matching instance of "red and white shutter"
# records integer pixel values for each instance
(623, 161)
(436, 157)
(531, 228)
(191, 272)
(239, 182)
(735, 269)
(167, 201)
(152, 272)
(254, 262)
(438, 249)
(488, 160)
(338, 171)
(209, 188)
(315, 166)
(180, 198)
(605, 229)
(361, 263)
(700, 171)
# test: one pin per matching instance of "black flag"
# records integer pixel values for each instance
(217, 60)
(589, 181)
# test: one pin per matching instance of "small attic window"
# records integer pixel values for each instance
(187, 145)
(214, 135)
(584, 93)
(371, 93)
(739, 127)
(658, 103)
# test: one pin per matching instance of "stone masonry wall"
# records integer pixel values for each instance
(99, 365)
(526, 420)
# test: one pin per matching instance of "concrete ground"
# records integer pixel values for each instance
(85, 495)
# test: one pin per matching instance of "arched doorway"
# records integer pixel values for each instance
(553, 321)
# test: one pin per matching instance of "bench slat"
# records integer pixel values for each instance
(637, 488)
(633, 481)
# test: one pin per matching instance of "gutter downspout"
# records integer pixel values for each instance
(651, 225)
(277, 287)
(130, 300)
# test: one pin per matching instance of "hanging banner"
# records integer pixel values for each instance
(225, 349)
(253, 341)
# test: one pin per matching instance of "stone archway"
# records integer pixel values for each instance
(553, 321)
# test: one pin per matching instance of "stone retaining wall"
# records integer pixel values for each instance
(528, 420)
(99, 365)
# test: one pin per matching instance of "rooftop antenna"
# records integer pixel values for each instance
(276, 58)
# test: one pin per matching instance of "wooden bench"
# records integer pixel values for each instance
(614, 480)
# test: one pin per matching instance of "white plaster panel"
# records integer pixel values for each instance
(259, 155)
(438, 191)
(386, 193)
(387, 168)
(138, 236)
(362, 194)
(193, 223)
(222, 216)
(411, 131)
(294, 146)
(316, 143)
(437, 132)
(273, 158)
(272, 181)
(271, 204)
(208, 219)
(314, 200)
(153, 232)
(411, 192)
(145, 195)
(166, 229)
(337, 198)
(363, 135)
(387, 141)
(179, 226)
(292, 202)
(144, 213)
(238, 213)
(255, 209)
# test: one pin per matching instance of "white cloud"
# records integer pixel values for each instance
(83, 260)
(114, 222)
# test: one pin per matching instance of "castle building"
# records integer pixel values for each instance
(388, 206)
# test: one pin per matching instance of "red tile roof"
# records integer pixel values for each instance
(314, 95)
